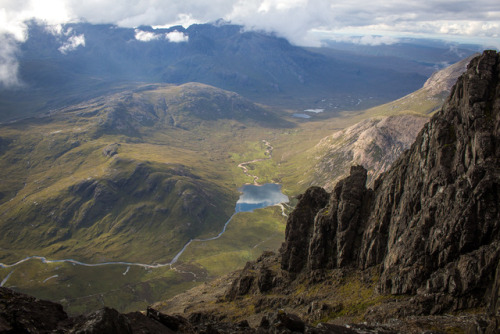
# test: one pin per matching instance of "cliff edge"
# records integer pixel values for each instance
(432, 220)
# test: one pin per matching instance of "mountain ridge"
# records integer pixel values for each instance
(256, 65)
(387, 131)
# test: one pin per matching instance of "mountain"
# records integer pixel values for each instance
(113, 188)
(77, 177)
(424, 241)
(395, 258)
(256, 65)
(373, 143)
(429, 55)
(387, 131)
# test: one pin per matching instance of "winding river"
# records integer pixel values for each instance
(253, 196)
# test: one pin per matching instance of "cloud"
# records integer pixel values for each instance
(291, 19)
(72, 43)
(8, 61)
(296, 20)
(176, 37)
(173, 36)
(13, 30)
(146, 36)
(69, 40)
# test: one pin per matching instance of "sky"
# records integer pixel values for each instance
(302, 22)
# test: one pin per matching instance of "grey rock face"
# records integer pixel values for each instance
(432, 220)
(299, 228)
(436, 211)
(338, 227)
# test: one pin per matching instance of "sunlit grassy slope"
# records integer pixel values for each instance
(132, 177)
(102, 179)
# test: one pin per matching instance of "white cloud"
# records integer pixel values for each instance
(182, 19)
(173, 36)
(176, 37)
(72, 43)
(146, 36)
(8, 61)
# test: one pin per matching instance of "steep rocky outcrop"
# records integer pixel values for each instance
(299, 228)
(375, 143)
(338, 227)
(433, 220)
(424, 241)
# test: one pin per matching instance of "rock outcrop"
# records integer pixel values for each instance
(299, 228)
(432, 221)
(338, 227)
(20, 313)
(375, 143)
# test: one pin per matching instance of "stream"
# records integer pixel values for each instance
(253, 196)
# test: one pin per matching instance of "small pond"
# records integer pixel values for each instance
(255, 197)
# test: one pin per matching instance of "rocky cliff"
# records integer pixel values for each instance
(432, 220)
(423, 242)
(375, 143)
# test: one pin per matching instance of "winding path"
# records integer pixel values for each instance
(269, 150)
(243, 165)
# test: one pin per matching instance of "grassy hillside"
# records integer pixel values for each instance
(132, 177)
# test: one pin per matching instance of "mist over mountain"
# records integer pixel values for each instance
(425, 52)
(74, 62)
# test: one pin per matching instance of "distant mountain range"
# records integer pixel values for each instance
(256, 65)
